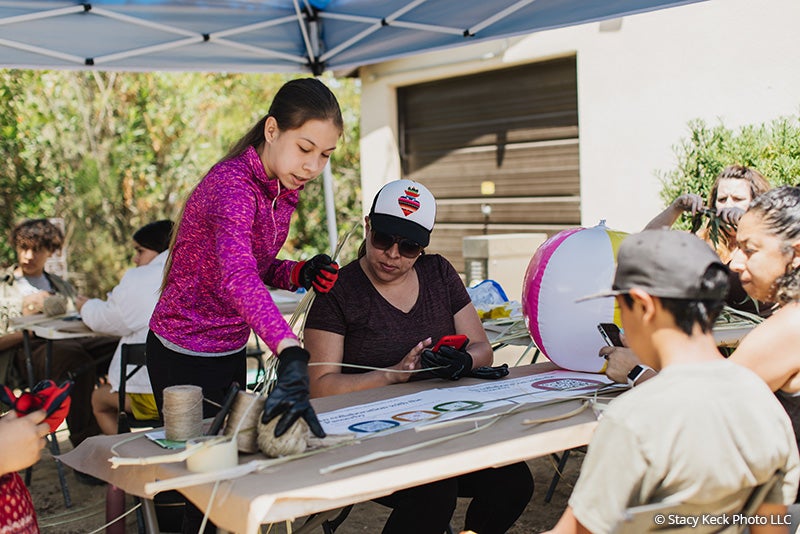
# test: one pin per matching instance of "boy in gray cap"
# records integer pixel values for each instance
(704, 432)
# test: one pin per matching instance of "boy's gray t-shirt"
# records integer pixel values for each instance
(704, 433)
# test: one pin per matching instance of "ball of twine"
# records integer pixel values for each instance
(293, 441)
(244, 417)
(183, 412)
(55, 305)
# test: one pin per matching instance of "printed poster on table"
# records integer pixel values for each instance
(441, 404)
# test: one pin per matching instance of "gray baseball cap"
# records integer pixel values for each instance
(665, 263)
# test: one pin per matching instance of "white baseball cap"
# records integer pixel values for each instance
(405, 208)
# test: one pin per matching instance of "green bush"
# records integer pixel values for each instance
(771, 148)
(109, 152)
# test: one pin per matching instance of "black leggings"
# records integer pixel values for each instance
(214, 374)
(499, 496)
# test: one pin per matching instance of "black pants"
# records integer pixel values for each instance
(82, 360)
(499, 496)
(214, 374)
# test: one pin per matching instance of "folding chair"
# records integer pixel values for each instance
(642, 518)
(561, 463)
(131, 354)
(256, 353)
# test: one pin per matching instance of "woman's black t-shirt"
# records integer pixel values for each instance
(375, 332)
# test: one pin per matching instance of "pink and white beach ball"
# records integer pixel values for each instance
(571, 264)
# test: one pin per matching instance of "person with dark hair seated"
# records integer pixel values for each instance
(127, 313)
(386, 310)
(28, 289)
(705, 432)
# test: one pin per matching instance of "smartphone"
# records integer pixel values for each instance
(611, 334)
(457, 341)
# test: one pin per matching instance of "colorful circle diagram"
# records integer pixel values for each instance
(563, 384)
(458, 406)
(416, 415)
(377, 425)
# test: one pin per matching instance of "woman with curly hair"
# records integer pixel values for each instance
(768, 263)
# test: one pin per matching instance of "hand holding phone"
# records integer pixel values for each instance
(611, 334)
(457, 341)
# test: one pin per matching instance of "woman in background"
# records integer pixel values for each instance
(733, 190)
(126, 313)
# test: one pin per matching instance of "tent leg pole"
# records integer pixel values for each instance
(330, 209)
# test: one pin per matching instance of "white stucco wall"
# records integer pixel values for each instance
(737, 61)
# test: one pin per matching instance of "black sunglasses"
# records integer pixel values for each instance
(406, 247)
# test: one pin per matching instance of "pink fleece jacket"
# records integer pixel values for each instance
(234, 224)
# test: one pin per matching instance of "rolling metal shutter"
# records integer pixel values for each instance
(513, 131)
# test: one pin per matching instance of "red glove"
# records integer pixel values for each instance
(45, 395)
(320, 272)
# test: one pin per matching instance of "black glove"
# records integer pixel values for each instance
(490, 373)
(453, 363)
(290, 395)
(320, 271)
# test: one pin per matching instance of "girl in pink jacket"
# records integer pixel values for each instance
(224, 255)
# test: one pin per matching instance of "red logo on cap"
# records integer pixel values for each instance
(408, 202)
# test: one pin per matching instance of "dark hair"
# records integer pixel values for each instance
(757, 182)
(155, 235)
(296, 103)
(688, 312)
(779, 209)
(37, 234)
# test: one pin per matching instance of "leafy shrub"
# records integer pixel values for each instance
(109, 152)
(771, 148)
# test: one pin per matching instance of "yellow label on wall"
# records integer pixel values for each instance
(487, 188)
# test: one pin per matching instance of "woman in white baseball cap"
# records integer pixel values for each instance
(387, 307)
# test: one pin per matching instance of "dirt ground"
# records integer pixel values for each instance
(87, 513)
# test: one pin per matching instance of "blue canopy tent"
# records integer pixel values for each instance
(272, 35)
